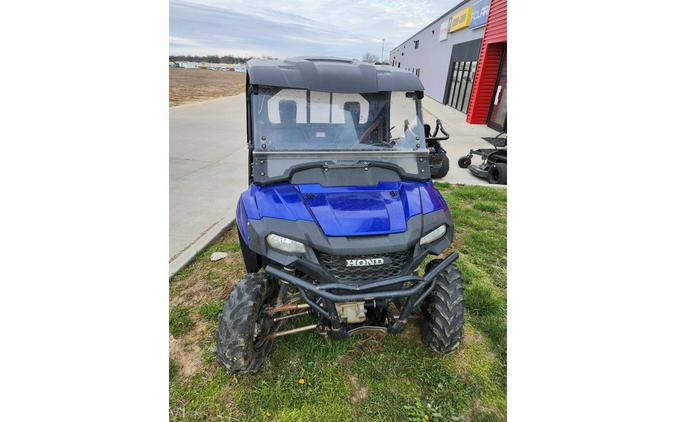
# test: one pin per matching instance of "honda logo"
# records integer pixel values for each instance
(367, 262)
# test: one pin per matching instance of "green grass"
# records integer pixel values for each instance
(179, 321)
(210, 311)
(369, 377)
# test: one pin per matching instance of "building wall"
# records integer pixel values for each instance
(488, 63)
(432, 57)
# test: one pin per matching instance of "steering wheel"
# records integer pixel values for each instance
(370, 129)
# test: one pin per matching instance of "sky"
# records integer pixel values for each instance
(341, 28)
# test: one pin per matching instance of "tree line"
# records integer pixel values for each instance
(211, 59)
(368, 57)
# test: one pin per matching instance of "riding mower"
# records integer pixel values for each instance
(340, 214)
(493, 166)
(438, 158)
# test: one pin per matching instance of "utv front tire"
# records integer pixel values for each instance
(443, 310)
(243, 326)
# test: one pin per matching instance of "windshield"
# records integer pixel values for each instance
(287, 119)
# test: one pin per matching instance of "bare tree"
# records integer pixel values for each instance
(369, 57)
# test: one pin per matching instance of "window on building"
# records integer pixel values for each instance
(399, 64)
(469, 86)
(461, 84)
(417, 72)
(417, 44)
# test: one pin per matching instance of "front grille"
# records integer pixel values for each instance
(395, 262)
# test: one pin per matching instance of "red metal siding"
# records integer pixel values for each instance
(491, 49)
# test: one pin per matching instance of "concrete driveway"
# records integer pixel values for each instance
(208, 159)
(207, 172)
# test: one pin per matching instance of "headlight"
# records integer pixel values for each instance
(435, 234)
(284, 244)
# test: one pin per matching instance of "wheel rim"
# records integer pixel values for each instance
(264, 326)
(494, 174)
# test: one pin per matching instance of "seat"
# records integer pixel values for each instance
(290, 134)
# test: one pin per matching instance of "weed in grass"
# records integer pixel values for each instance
(481, 300)
(214, 280)
(179, 321)
(489, 206)
(422, 412)
(210, 311)
(173, 369)
(208, 347)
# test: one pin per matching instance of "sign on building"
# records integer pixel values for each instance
(461, 20)
(443, 32)
(480, 13)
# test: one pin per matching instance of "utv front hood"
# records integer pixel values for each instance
(345, 210)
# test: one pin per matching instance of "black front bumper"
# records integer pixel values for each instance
(390, 288)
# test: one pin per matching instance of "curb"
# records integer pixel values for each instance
(206, 239)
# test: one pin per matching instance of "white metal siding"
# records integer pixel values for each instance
(433, 56)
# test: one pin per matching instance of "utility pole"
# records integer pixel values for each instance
(382, 53)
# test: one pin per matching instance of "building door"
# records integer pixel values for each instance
(497, 114)
(463, 61)
(461, 84)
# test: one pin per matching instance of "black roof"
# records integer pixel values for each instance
(331, 74)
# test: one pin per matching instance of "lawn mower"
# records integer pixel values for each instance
(493, 167)
(438, 158)
(340, 214)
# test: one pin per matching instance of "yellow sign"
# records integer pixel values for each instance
(461, 20)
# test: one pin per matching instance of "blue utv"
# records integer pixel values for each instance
(340, 214)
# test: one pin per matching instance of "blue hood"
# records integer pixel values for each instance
(345, 210)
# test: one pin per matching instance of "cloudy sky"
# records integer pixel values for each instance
(343, 28)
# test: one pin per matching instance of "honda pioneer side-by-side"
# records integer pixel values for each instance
(340, 211)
